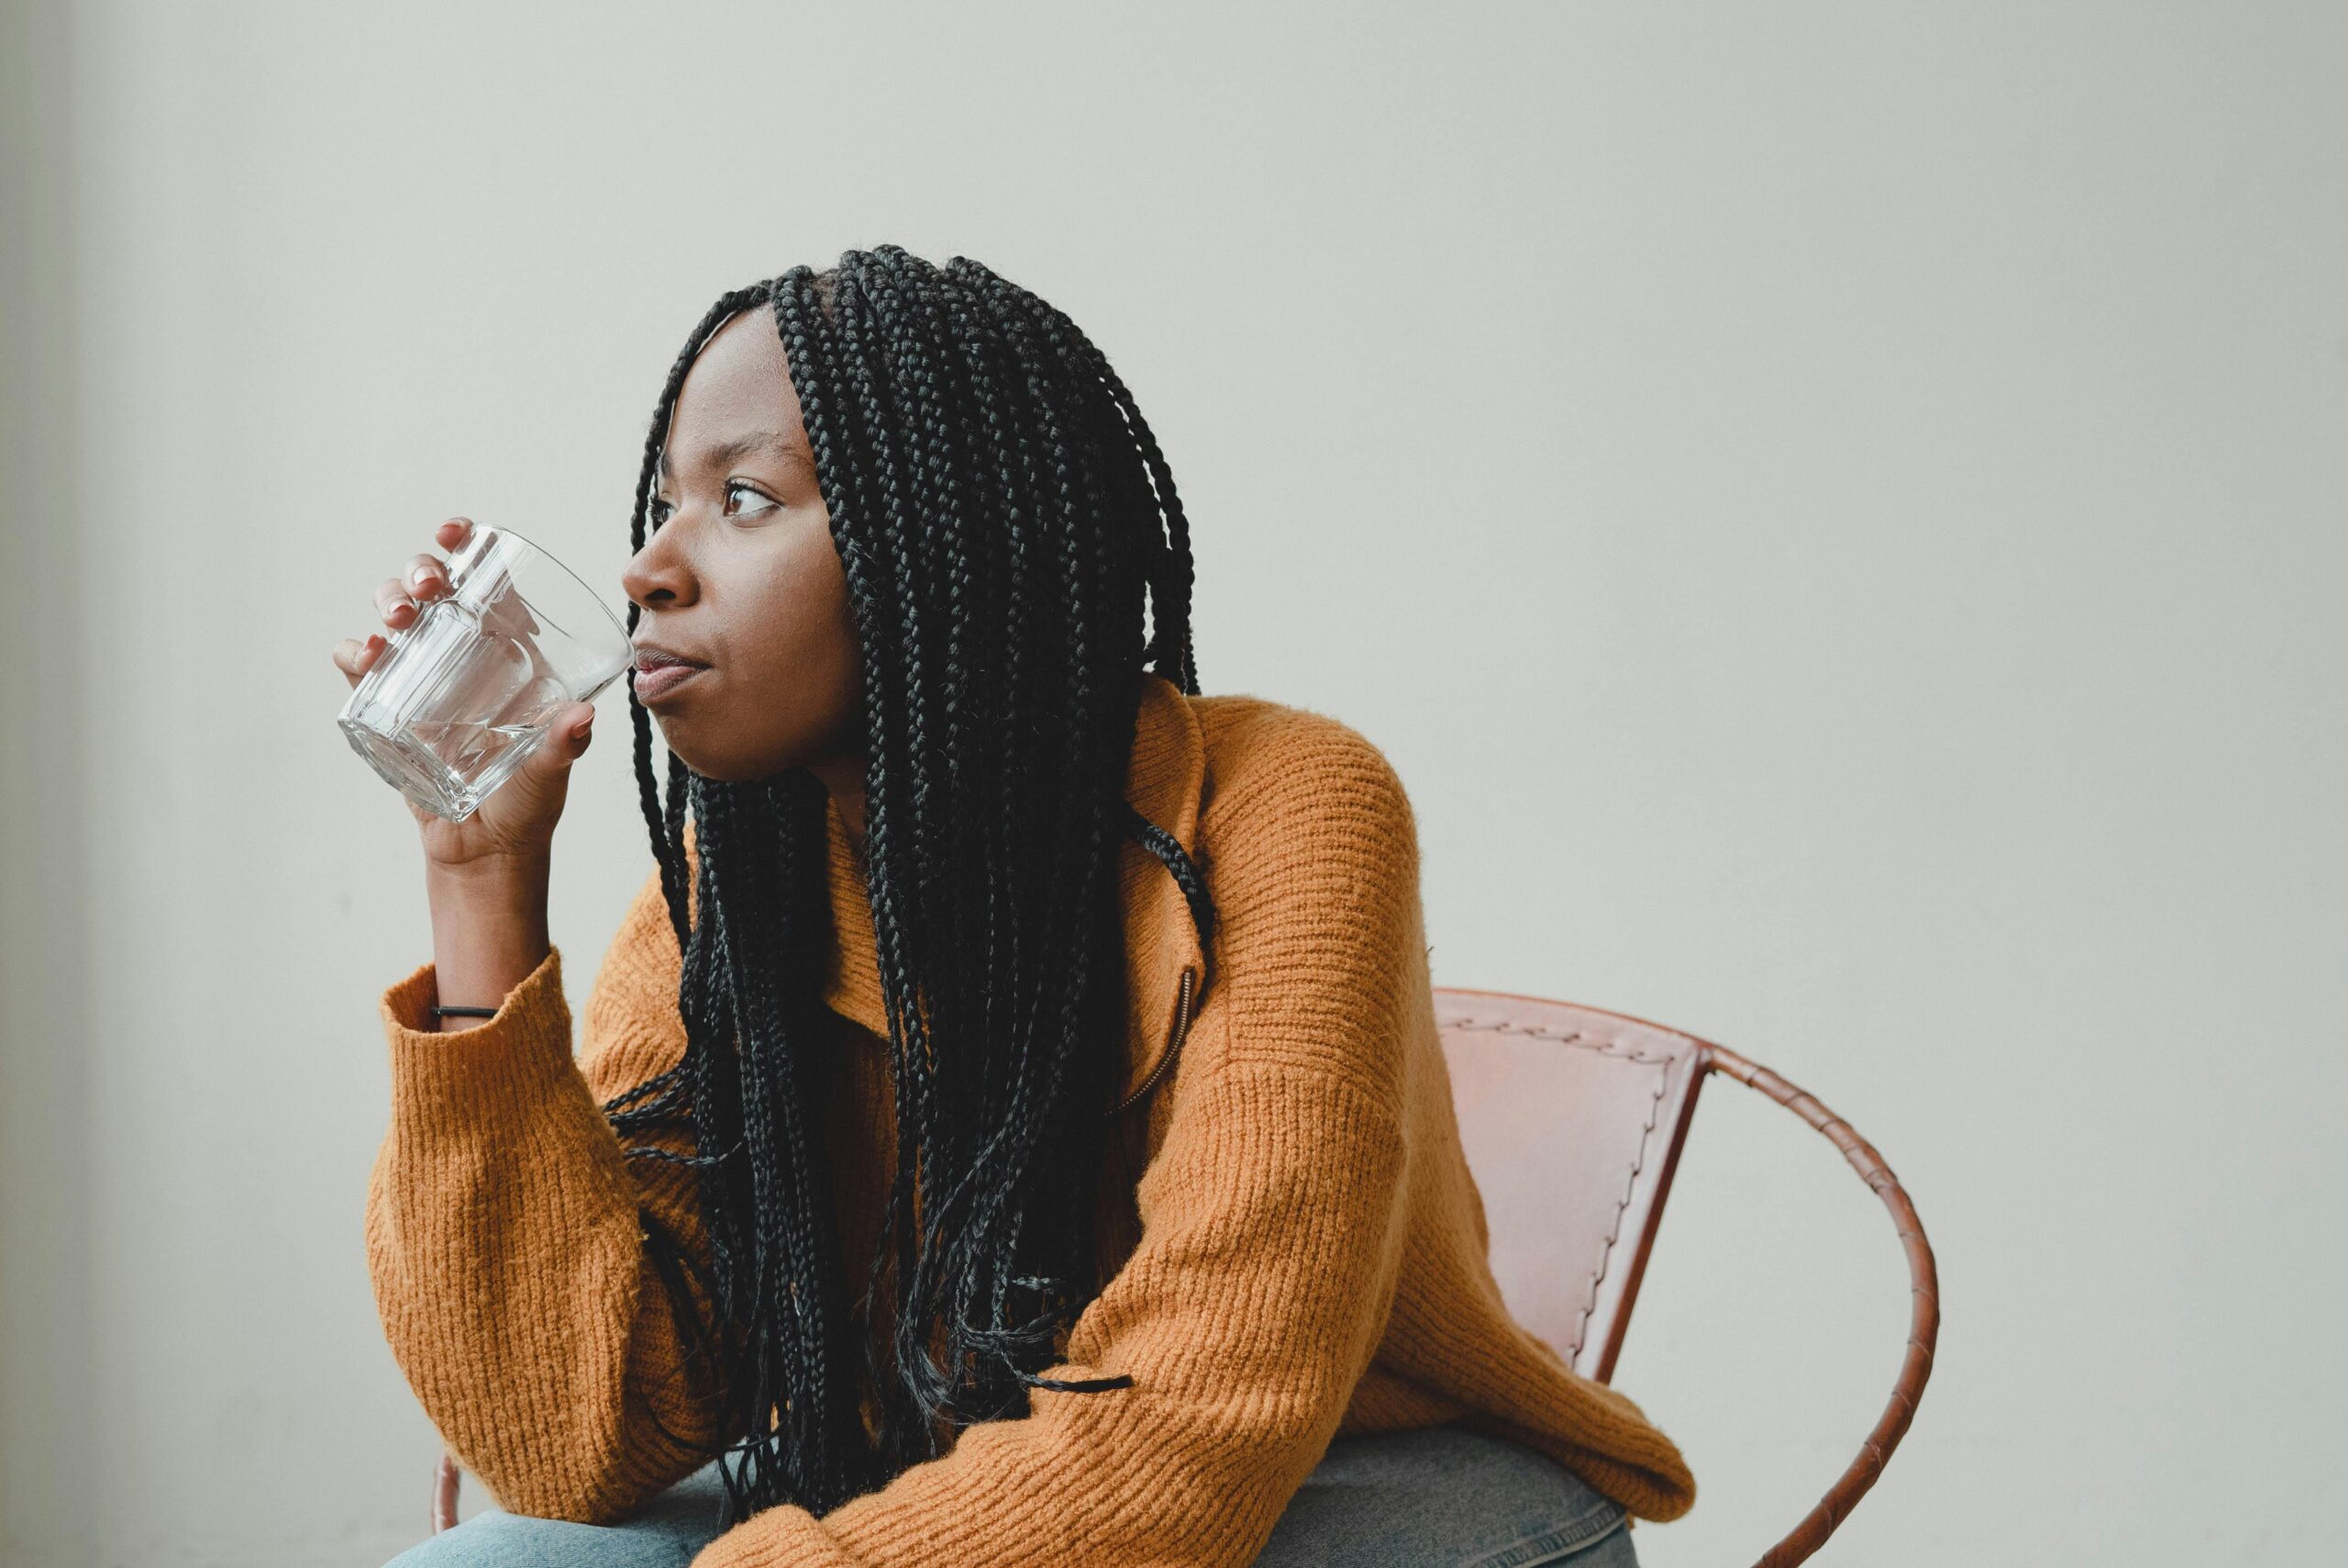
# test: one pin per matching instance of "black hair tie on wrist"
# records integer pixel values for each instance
(464, 1012)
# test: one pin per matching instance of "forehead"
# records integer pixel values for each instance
(738, 386)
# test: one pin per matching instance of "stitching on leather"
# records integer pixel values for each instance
(1663, 1065)
(1562, 1036)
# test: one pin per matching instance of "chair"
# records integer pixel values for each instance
(1573, 1120)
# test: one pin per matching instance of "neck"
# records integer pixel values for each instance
(844, 777)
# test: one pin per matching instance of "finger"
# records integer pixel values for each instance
(426, 578)
(575, 728)
(394, 604)
(453, 534)
(356, 656)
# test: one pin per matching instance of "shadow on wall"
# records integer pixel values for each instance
(48, 1462)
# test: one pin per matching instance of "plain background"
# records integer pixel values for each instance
(1835, 511)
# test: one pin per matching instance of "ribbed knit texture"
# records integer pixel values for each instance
(1309, 1255)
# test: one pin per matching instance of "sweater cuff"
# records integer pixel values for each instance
(514, 1052)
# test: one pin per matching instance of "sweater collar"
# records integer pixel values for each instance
(1164, 778)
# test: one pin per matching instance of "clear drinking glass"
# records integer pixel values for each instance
(458, 700)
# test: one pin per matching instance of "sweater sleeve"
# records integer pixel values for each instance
(505, 1243)
(1270, 1239)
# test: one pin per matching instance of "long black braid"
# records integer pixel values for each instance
(1004, 517)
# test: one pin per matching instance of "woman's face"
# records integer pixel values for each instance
(742, 576)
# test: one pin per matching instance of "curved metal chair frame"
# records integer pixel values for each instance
(1585, 1287)
(1678, 1064)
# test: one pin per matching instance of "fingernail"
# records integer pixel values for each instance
(420, 576)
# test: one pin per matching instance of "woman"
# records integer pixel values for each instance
(1011, 1125)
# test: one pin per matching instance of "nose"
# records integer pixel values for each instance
(658, 575)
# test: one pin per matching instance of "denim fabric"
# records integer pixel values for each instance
(1441, 1498)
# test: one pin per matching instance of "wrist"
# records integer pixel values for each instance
(489, 934)
(489, 875)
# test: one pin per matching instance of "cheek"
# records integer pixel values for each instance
(798, 644)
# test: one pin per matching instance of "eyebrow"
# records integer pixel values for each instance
(725, 452)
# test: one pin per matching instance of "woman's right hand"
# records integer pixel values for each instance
(516, 826)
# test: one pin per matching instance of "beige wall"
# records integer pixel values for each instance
(1834, 511)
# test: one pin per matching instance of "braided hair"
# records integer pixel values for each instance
(1001, 511)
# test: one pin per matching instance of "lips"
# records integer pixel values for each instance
(653, 659)
(654, 682)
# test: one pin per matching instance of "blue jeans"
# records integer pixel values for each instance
(1441, 1498)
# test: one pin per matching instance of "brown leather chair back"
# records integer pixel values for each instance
(1573, 1120)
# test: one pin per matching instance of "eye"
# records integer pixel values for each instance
(747, 501)
(657, 512)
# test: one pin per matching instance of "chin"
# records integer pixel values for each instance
(727, 769)
(722, 770)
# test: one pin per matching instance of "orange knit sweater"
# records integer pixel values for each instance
(1309, 1255)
